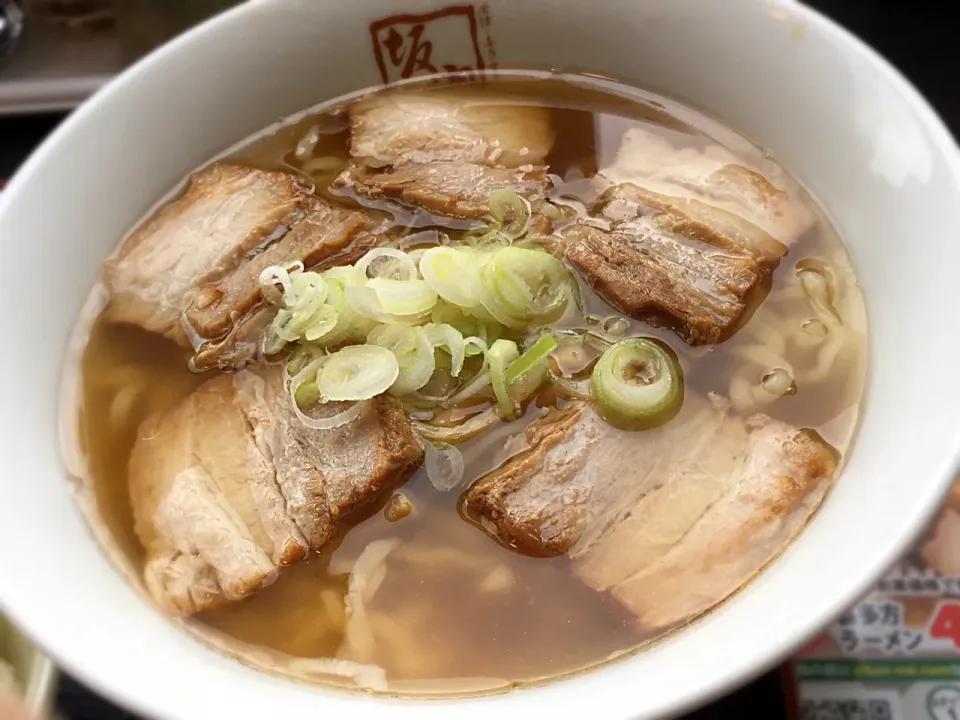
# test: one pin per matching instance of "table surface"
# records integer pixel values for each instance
(918, 38)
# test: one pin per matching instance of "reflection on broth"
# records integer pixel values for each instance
(464, 386)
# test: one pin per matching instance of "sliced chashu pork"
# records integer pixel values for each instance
(241, 344)
(458, 190)
(231, 315)
(670, 521)
(323, 234)
(226, 213)
(624, 205)
(696, 268)
(712, 179)
(684, 236)
(229, 487)
(653, 273)
(192, 271)
(446, 152)
(465, 125)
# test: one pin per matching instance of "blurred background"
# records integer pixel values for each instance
(895, 656)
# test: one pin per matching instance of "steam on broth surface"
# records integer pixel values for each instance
(352, 548)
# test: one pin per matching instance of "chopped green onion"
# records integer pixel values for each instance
(473, 349)
(488, 240)
(413, 352)
(357, 372)
(458, 433)
(366, 300)
(306, 394)
(454, 274)
(302, 386)
(537, 354)
(616, 326)
(637, 384)
(474, 345)
(524, 287)
(446, 312)
(327, 421)
(500, 355)
(510, 211)
(306, 316)
(271, 343)
(403, 297)
(346, 275)
(270, 278)
(447, 336)
(283, 326)
(351, 326)
(310, 289)
(444, 465)
(310, 292)
(389, 298)
(399, 265)
(322, 322)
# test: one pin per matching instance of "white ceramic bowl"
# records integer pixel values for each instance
(834, 113)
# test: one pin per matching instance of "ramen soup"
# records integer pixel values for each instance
(459, 385)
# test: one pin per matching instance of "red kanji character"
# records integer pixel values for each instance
(946, 624)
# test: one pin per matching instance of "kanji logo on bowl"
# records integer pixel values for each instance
(452, 39)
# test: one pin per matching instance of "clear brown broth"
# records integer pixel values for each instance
(454, 604)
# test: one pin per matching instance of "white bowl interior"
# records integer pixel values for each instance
(844, 123)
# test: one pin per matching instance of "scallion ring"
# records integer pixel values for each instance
(400, 266)
(511, 212)
(357, 372)
(413, 352)
(366, 301)
(536, 356)
(322, 322)
(454, 274)
(499, 357)
(523, 287)
(448, 337)
(637, 384)
(444, 465)
(270, 278)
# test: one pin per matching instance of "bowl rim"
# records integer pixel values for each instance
(732, 675)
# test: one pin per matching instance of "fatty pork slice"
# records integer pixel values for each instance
(320, 236)
(664, 277)
(447, 152)
(226, 212)
(670, 521)
(675, 260)
(229, 487)
(664, 267)
(714, 182)
(465, 125)
(458, 190)
(241, 344)
(229, 317)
